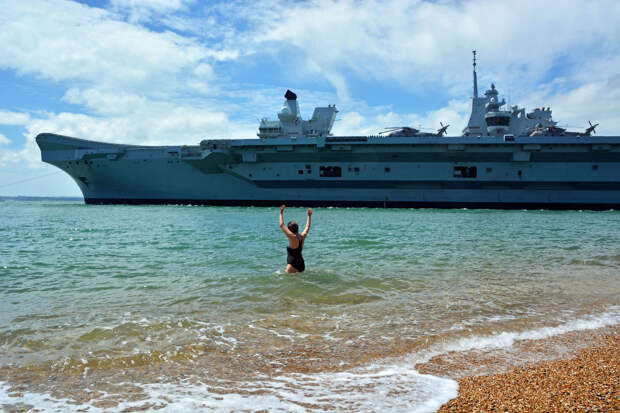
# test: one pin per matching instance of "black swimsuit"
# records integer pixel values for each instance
(294, 257)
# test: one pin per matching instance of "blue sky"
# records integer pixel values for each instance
(177, 71)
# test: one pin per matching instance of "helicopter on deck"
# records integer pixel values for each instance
(539, 130)
(412, 132)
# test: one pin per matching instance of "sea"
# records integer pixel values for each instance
(188, 308)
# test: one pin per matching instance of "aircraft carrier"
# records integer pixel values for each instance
(504, 158)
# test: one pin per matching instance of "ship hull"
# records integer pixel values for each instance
(358, 204)
(352, 172)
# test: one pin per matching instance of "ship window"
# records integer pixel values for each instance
(489, 170)
(309, 171)
(387, 169)
(300, 172)
(595, 167)
(498, 121)
(269, 130)
(357, 169)
(330, 171)
(520, 173)
(465, 171)
(308, 166)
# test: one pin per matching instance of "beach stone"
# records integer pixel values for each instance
(571, 385)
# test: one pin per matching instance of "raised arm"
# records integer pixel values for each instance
(286, 231)
(305, 233)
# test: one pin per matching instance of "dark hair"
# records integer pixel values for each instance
(293, 227)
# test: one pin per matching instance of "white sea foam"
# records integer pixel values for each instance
(43, 402)
(393, 385)
(507, 339)
(387, 388)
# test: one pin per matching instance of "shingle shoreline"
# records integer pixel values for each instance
(586, 382)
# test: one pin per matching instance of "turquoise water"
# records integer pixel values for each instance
(184, 297)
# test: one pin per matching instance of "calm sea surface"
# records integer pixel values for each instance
(189, 308)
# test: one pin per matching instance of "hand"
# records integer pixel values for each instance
(309, 212)
(282, 208)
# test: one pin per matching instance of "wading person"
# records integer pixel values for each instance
(295, 262)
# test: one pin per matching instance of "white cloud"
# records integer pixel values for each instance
(47, 180)
(160, 6)
(8, 157)
(4, 140)
(415, 44)
(111, 103)
(157, 126)
(144, 10)
(420, 44)
(597, 101)
(27, 155)
(64, 41)
(13, 118)
(203, 71)
(354, 123)
(591, 93)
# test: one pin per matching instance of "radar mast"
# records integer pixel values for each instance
(475, 76)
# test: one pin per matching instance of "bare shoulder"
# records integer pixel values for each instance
(294, 241)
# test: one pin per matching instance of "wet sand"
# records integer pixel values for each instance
(585, 381)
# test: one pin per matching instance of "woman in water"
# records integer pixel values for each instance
(295, 262)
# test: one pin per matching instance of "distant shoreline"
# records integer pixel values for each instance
(40, 198)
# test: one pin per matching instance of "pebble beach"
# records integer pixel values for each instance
(589, 381)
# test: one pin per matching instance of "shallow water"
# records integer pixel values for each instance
(191, 308)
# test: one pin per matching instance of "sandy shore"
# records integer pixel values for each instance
(588, 381)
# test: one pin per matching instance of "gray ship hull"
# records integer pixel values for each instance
(443, 172)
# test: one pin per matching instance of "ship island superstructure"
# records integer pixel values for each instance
(503, 159)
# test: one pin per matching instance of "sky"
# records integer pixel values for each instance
(171, 72)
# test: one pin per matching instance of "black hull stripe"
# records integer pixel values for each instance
(371, 204)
